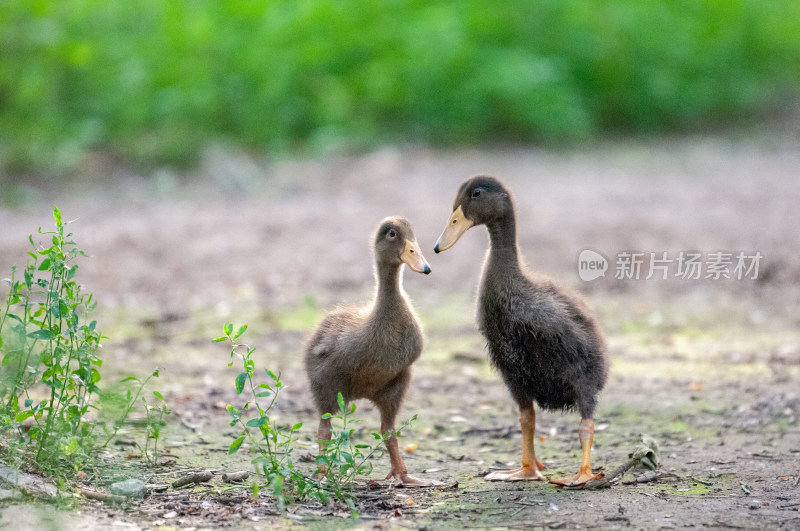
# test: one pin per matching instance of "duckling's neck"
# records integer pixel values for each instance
(503, 252)
(390, 287)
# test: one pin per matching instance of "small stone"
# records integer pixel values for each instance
(130, 488)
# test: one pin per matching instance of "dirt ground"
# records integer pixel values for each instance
(709, 368)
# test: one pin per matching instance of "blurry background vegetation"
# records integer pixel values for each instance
(154, 82)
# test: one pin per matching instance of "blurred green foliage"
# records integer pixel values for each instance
(156, 80)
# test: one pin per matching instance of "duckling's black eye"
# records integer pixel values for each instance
(476, 192)
(391, 233)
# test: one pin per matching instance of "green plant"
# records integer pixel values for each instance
(271, 443)
(343, 460)
(154, 417)
(50, 361)
(131, 399)
(155, 420)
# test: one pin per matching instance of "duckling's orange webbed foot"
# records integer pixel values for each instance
(585, 474)
(518, 474)
(582, 477)
(529, 471)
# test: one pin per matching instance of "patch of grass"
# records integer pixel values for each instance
(50, 369)
(158, 81)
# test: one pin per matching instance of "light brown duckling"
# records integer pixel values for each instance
(367, 352)
(543, 339)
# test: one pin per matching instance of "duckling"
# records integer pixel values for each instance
(367, 352)
(542, 339)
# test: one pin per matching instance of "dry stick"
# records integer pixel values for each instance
(101, 496)
(197, 477)
(235, 477)
(647, 477)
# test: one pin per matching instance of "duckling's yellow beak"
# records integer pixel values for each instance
(456, 226)
(413, 257)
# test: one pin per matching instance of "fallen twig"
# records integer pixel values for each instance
(646, 477)
(101, 496)
(501, 432)
(235, 477)
(706, 483)
(197, 477)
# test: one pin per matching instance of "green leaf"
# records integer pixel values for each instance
(22, 415)
(340, 401)
(235, 445)
(255, 490)
(262, 394)
(272, 375)
(297, 426)
(158, 395)
(45, 265)
(42, 333)
(326, 416)
(130, 379)
(240, 380)
(155, 374)
(57, 216)
(257, 423)
(228, 329)
(240, 331)
(72, 446)
(218, 339)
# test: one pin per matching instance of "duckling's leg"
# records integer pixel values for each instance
(585, 474)
(529, 471)
(323, 434)
(388, 403)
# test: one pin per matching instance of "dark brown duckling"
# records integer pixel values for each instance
(367, 352)
(542, 339)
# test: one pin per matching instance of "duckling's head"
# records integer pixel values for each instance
(396, 244)
(479, 201)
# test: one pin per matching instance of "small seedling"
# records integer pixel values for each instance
(155, 420)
